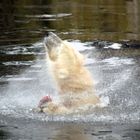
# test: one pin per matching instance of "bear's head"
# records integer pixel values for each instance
(52, 43)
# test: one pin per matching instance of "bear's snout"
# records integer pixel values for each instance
(52, 41)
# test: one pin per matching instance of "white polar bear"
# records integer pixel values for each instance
(73, 80)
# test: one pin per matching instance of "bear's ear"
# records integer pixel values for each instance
(52, 41)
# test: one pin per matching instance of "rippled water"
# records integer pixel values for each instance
(24, 22)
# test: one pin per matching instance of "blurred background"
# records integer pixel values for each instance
(27, 21)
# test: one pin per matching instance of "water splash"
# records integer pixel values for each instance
(113, 77)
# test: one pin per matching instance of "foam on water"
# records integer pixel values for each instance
(80, 46)
(114, 46)
(17, 63)
(59, 15)
(25, 90)
(116, 61)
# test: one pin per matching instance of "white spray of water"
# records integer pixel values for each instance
(25, 90)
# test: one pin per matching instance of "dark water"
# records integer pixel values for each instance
(24, 22)
(93, 27)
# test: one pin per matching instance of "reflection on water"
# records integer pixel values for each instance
(70, 132)
(27, 130)
(27, 21)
